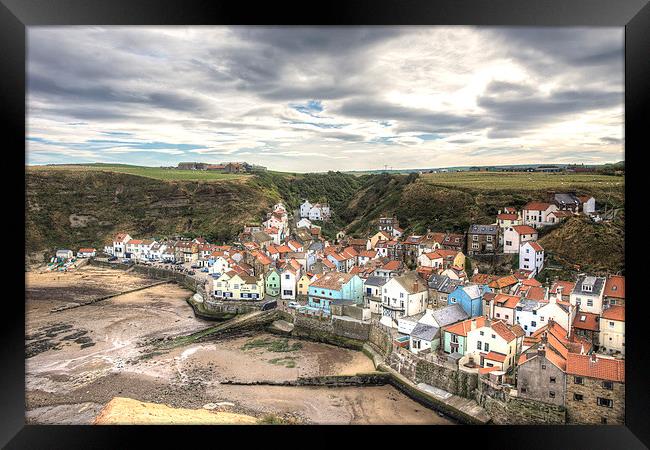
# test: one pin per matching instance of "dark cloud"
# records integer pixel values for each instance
(410, 119)
(514, 108)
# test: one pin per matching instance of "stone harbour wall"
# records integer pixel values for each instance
(520, 411)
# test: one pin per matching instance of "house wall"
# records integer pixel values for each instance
(587, 410)
(597, 303)
(612, 338)
(534, 381)
(496, 344)
(447, 343)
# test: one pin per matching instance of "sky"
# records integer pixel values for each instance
(311, 99)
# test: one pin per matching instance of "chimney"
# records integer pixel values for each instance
(593, 358)
(472, 324)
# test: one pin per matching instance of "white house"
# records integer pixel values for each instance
(372, 293)
(288, 278)
(495, 344)
(119, 244)
(86, 253)
(219, 265)
(433, 259)
(528, 317)
(588, 204)
(304, 223)
(304, 209)
(406, 324)
(561, 312)
(64, 254)
(535, 214)
(423, 337)
(588, 294)
(404, 295)
(531, 257)
(168, 253)
(156, 251)
(516, 235)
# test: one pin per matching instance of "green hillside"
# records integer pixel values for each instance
(73, 206)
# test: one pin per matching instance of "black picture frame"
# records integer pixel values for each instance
(634, 15)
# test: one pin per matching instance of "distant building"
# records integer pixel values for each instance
(482, 239)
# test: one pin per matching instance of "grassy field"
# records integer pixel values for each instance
(522, 181)
(149, 172)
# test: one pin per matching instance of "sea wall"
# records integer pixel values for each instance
(506, 408)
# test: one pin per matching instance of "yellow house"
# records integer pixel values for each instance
(303, 285)
(379, 236)
(233, 286)
(612, 330)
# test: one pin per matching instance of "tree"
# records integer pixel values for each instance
(468, 266)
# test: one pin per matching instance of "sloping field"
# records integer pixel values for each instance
(524, 181)
(157, 173)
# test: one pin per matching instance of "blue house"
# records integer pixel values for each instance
(470, 298)
(335, 286)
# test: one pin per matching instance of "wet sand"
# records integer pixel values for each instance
(86, 356)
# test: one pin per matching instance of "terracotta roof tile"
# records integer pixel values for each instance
(615, 287)
(596, 367)
(536, 206)
(614, 312)
(586, 321)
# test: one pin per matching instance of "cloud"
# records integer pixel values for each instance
(320, 98)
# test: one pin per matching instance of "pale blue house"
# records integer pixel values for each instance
(470, 298)
(335, 286)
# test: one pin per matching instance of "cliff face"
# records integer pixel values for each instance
(81, 208)
(86, 208)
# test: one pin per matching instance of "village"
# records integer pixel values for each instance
(561, 343)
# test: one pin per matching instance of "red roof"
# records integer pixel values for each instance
(536, 293)
(596, 367)
(392, 265)
(536, 206)
(535, 246)
(86, 250)
(614, 312)
(462, 328)
(508, 280)
(567, 287)
(531, 282)
(586, 321)
(495, 356)
(506, 301)
(615, 286)
(504, 216)
(524, 229)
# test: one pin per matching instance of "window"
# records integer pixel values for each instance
(544, 366)
(475, 237)
(578, 397)
(478, 345)
(533, 323)
(475, 245)
(551, 394)
(498, 314)
(488, 238)
(552, 379)
(577, 380)
(507, 317)
(489, 365)
(481, 333)
(494, 336)
(590, 302)
(605, 402)
(487, 347)
(523, 390)
(541, 318)
(508, 243)
(401, 295)
(608, 385)
(611, 324)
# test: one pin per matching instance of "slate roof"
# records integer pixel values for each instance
(483, 229)
(598, 283)
(425, 332)
(449, 315)
(442, 283)
(375, 281)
